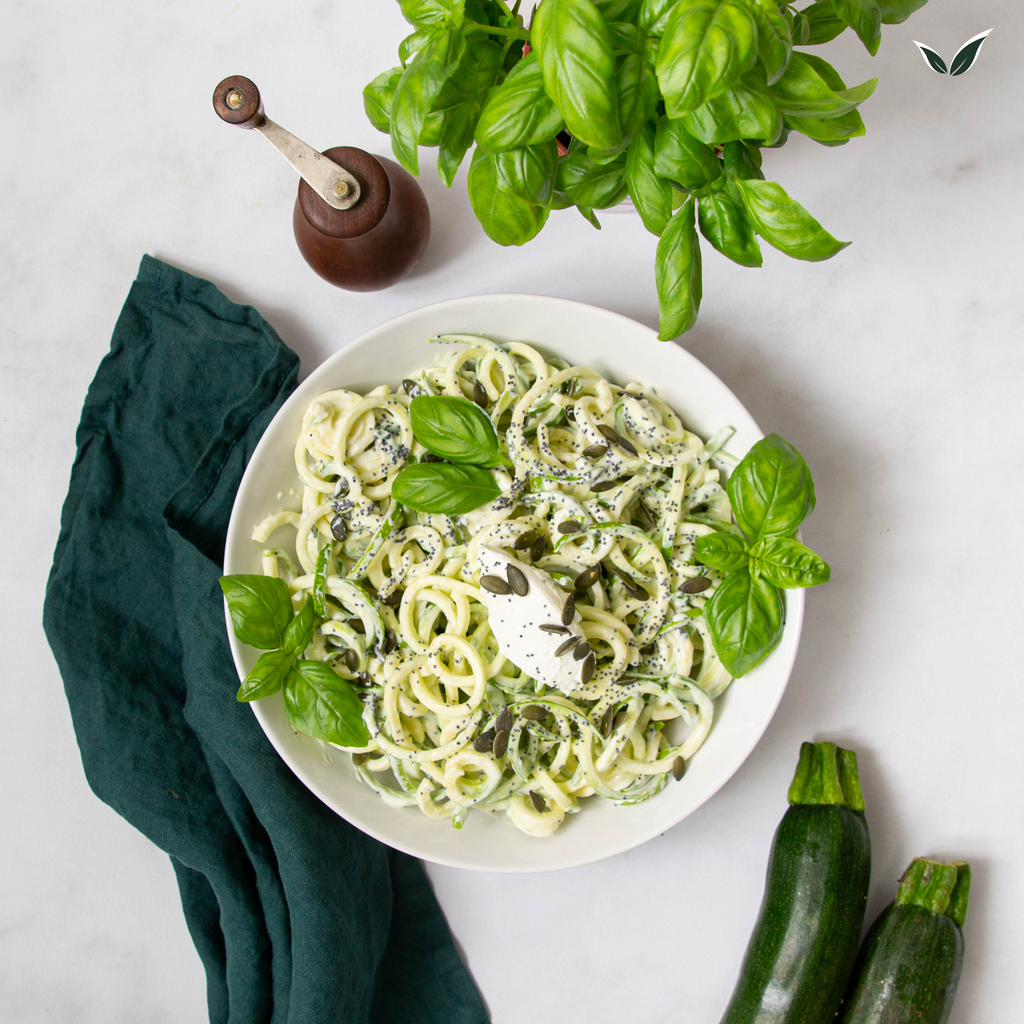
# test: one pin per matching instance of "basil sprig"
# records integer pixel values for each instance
(317, 700)
(460, 431)
(667, 101)
(772, 493)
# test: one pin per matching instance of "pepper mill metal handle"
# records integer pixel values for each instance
(360, 221)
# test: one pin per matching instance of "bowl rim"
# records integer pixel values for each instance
(301, 396)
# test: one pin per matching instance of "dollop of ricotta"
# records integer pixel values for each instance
(515, 622)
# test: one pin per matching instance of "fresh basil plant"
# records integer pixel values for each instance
(317, 700)
(772, 493)
(459, 431)
(669, 102)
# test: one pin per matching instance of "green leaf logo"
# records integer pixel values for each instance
(962, 62)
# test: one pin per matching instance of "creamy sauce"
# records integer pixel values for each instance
(516, 621)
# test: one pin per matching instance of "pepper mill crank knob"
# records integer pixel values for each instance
(360, 221)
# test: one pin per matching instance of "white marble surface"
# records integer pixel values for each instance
(896, 368)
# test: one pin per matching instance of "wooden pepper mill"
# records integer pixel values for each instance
(361, 221)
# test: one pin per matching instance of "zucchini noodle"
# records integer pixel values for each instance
(406, 621)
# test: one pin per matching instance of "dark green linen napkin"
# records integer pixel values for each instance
(298, 917)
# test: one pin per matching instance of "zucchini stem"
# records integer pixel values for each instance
(936, 886)
(827, 774)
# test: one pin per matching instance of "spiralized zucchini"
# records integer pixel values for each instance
(406, 623)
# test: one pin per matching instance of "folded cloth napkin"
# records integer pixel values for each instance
(298, 917)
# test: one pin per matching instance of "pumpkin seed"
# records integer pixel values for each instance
(569, 526)
(550, 627)
(393, 599)
(609, 433)
(588, 669)
(636, 592)
(390, 642)
(484, 742)
(517, 580)
(570, 387)
(643, 517)
(534, 712)
(339, 528)
(595, 451)
(588, 577)
(358, 759)
(678, 768)
(500, 743)
(648, 650)
(620, 720)
(537, 549)
(525, 540)
(357, 625)
(581, 651)
(606, 722)
(503, 720)
(408, 385)
(567, 646)
(695, 585)
(627, 447)
(538, 802)
(495, 584)
(568, 610)
(480, 395)
(604, 485)
(570, 414)
(365, 680)
(352, 660)
(431, 457)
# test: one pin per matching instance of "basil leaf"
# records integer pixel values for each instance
(722, 551)
(320, 582)
(323, 705)
(518, 112)
(681, 157)
(618, 10)
(506, 217)
(638, 95)
(574, 48)
(443, 489)
(590, 184)
(742, 112)
(626, 37)
(417, 89)
(826, 72)
(267, 676)
(654, 14)
(771, 490)
(589, 215)
(433, 13)
(784, 223)
(677, 272)
(829, 131)
(823, 25)
(455, 429)
(455, 139)
(529, 171)
(724, 224)
(300, 630)
(651, 194)
(742, 160)
(896, 11)
(803, 92)
(786, 563)
(413, 43)
(378, 97)
(745, 616)
(774, 38)
(864, 17)
(706, 46)
(260, 609)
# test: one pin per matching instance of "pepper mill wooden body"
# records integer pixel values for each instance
(361, 221)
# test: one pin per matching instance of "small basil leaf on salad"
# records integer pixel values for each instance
(444, 489)
(260, 609)
(300, 630)
(320, 582)
(788, 564)
(267, 676)
(771, 490)
(455, 429)
(323, 705)
(722, 551)
(745, 615)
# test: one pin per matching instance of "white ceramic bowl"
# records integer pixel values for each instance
(623, 351)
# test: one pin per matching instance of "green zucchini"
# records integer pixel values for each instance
(805, 939)
(909, 963)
